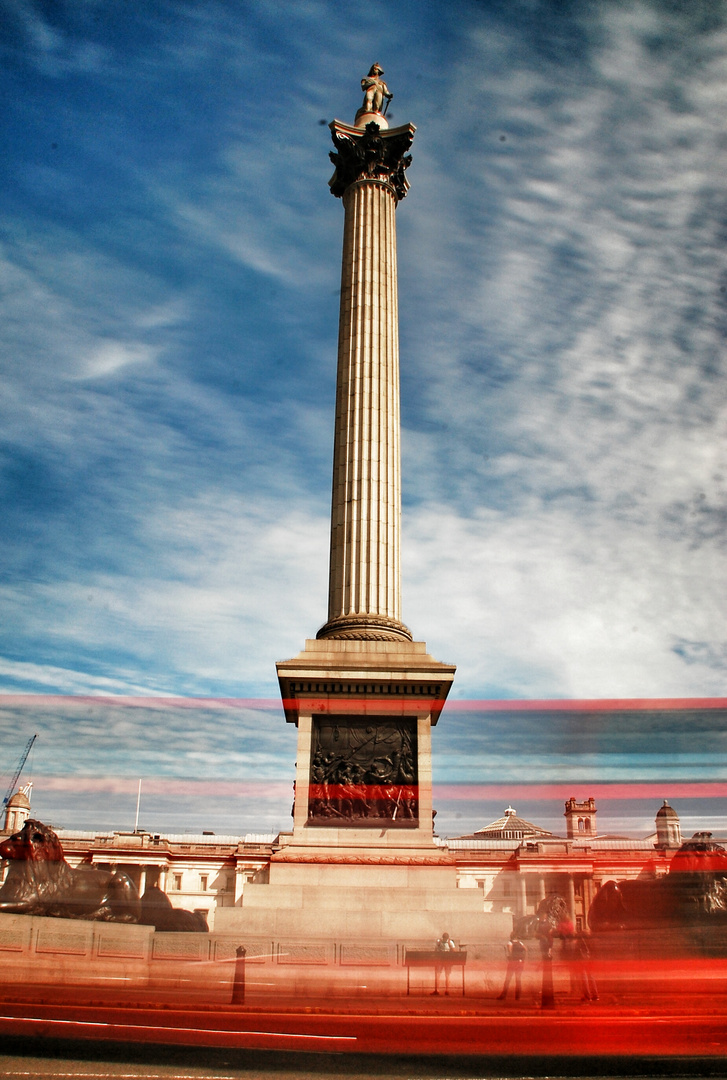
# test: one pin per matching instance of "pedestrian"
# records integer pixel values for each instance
(516, 955)
(589, 989)
(566, 931)
(444, 945)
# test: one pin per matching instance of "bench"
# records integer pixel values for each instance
(434, 958)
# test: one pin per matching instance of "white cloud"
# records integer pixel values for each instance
(112, 356)
(63, 680)
(240, 585)
(548, 604)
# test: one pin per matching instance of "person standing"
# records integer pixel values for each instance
(566, 931)
(589, 989)
(516, 955)
(444, 945)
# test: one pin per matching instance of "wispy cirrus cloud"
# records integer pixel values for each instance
(575, 392)
(180, 621)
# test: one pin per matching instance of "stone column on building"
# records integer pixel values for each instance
(522, 887)
(571, 897)
(240, 878)
(587, 899)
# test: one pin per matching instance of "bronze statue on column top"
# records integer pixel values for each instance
(375, 90)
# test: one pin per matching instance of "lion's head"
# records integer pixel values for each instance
(34, 843)
(38, 872)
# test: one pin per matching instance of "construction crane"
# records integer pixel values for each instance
(21, 766)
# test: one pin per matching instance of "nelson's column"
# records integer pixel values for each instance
(363, 694)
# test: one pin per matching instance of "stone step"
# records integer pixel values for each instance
(364, 874)
(336, 898)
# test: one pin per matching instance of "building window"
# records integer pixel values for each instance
(203, 882)
(177, 882)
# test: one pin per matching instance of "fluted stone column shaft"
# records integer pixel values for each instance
(366, 502)
(364, 596)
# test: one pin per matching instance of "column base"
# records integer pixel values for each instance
(365, 628)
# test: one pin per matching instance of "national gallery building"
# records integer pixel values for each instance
(514, 863)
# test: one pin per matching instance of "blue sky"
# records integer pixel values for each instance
(169, 262)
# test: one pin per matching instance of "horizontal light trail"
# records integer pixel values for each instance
(121, 700)
(459, 792)
(581, 788)
(167, 786)
(172, 1029)
(274, 704)
(685, 789)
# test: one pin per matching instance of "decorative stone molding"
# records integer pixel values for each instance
(169, 946)
(365, 628)
(366, 955)
(371, 155)
(304, 952)
(368, 690)
(365, 859)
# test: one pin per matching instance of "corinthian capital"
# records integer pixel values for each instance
(370, 154)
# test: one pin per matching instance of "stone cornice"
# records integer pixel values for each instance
(365, 859)
(370, 154)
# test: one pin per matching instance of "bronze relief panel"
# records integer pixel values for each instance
(364, 772)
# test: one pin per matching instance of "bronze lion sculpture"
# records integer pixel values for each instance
(157, 911)
(548, 921)
(40, 882)
(692, 893)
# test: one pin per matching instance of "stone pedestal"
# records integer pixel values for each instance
(361, 865)
(364, 712)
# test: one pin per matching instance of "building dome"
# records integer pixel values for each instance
(668, 829)
(510, 827)
(19, 801)
(17, 809)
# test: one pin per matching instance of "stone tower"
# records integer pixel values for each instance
(580, 818)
